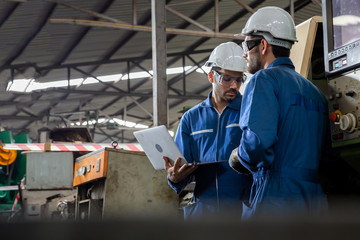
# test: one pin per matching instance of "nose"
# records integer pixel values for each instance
(234, 84)
(245, 54)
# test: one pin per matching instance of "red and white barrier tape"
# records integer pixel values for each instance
(71, 147)
(10, 188)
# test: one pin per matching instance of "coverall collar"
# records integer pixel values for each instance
(234, 104)
(282, 61)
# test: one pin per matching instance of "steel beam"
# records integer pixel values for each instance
(292, 11)
(247, 7)
(134, 22)
(90, 23)
(216, 14)
(173, 11)
(16, 117)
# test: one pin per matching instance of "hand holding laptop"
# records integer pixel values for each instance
(177, 172)
(157, 143)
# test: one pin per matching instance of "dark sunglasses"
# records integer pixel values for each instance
(248, 45)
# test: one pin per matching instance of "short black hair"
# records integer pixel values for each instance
(280, 51)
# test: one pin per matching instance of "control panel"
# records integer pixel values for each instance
(344, 104)
(344, 58)
(90, 167)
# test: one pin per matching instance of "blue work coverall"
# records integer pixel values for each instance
(284, 119)
(204, 135)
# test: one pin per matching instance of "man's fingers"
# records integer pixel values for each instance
(167, 163)
(185, 169)
(190, 169)
(177, 164)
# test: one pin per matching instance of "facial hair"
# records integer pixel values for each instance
(232, 90)
(220, 93)
(254, 63)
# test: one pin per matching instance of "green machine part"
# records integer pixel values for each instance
(6, 137)
(6, 197)
(12, 174)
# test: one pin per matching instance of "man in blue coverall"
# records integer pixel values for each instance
(284, 121)
(208, 132)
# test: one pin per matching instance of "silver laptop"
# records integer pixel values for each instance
(157, 142)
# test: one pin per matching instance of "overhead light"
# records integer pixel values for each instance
(30, 85)
(113, 120)
(120, 122)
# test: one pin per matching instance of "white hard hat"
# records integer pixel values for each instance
(274, 24)
(227, 56)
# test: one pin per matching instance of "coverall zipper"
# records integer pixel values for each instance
(217, 153)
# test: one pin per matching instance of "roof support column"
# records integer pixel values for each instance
(292, 9)
(158, 22)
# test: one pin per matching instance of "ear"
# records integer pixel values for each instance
(264, 47)
(211, 76)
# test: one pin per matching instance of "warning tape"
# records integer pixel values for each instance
(72, 147)
(10, 188)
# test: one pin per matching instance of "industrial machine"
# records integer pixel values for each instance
(46, 177)
(342, 63)
(328, 54)
(115, 183)
(49, 192)
(342, 60)
(49, 186)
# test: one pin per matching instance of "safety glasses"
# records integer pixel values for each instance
(248, 45)
(227, 80)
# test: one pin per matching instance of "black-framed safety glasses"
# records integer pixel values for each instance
(250, 44)
(227, 80)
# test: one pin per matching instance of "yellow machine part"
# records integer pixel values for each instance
(7, 157)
